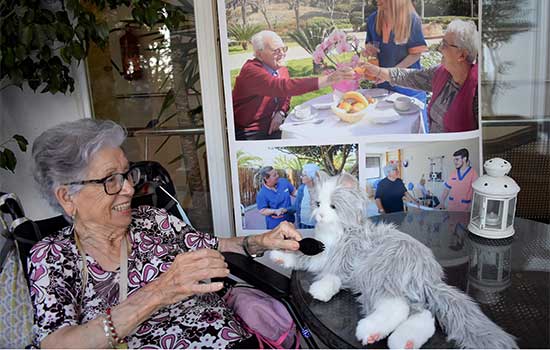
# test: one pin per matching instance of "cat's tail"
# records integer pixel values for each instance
(464, 322)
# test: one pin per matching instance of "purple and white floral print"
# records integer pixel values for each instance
(202, 321)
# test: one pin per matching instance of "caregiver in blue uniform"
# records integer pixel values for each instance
(396, 29)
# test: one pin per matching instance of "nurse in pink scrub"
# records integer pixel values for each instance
(458, 188)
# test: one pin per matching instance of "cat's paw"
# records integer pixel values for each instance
(284, 259)
(367, 331)
(325, 288)
(413, 332)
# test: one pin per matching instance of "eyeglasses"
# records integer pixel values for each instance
(280, 50)
(443, 44)
(113, 184)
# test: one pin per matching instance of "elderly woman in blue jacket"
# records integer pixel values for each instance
(303, 197)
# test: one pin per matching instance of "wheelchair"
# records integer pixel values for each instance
(154, 188)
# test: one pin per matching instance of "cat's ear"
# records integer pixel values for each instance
(347, 180)
(321, 177)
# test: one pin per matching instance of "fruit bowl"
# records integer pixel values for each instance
(351, 108)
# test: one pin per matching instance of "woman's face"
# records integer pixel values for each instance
(93, 205)
(452, 54)
(306, 180)
(272, 179)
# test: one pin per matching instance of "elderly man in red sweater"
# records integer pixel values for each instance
(261, 96)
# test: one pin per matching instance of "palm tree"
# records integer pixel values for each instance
(243, 33)
(310, 37)
(245, 160)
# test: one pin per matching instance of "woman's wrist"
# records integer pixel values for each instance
(253, 246)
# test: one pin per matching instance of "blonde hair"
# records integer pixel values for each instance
(399, 12)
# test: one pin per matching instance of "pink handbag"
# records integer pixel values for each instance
(265, 317)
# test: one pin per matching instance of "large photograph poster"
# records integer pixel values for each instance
(311, 85)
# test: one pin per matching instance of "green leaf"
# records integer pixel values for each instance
(45, 53)
(65, 53)
(20, 52)
(80, 32)
(162, 144)
(176, 159)
(9, 58)
(22, 142)
(26, 35)
(78, 50)
(102, 30)
(48, 15)
(169, 99)
(11, 161)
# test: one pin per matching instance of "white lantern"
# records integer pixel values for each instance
(494, 202)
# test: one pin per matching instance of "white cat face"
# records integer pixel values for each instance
(325, 212)
(339, 200)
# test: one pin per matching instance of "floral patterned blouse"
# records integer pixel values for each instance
(55, 265)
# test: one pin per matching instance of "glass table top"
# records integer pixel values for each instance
(508, 278)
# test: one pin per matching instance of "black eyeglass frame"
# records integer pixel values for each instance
(443, 43)
(104, 180)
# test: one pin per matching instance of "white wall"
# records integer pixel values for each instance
(29, 114)
(419, 163)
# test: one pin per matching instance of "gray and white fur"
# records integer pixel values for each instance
(398, 277)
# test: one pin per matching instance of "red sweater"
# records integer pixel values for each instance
(258, 94)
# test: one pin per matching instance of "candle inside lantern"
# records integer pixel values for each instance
(492, 219)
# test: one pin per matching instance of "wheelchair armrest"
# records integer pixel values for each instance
(258, 275)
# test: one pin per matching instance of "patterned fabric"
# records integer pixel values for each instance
(202, 321)
(15, 304)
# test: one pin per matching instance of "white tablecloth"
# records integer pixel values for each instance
(332, 126)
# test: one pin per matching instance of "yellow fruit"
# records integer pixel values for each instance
(356, 107)
(345, 106)
(354, 95)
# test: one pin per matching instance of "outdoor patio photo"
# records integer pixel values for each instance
(309, 40)
(281, 175)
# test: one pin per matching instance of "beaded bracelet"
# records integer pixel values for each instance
(110, 332)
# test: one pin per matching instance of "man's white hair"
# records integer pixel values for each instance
(258, 39)
(467, 37)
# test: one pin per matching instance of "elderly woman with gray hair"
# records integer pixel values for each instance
(390, 192)
(454, 103)
(120, 276)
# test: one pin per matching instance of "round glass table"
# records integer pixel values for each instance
(508, 278)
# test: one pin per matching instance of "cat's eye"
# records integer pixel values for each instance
(318, 204)
(333, 206)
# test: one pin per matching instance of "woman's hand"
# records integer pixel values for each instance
(345, 73)
(183, 278)
(284, 237)
(370, 50)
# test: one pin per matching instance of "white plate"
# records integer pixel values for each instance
(292, 118)
(375, 92)
(411, 110)
(384, 119)
(322, 105)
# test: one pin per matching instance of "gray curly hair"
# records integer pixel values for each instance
(467, 37)
(62, 154)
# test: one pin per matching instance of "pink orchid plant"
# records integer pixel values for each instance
(331, 52)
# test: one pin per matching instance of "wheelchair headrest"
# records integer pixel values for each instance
(10, 204)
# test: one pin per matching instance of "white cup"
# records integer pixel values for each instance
(402, 103)
(302, 112)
